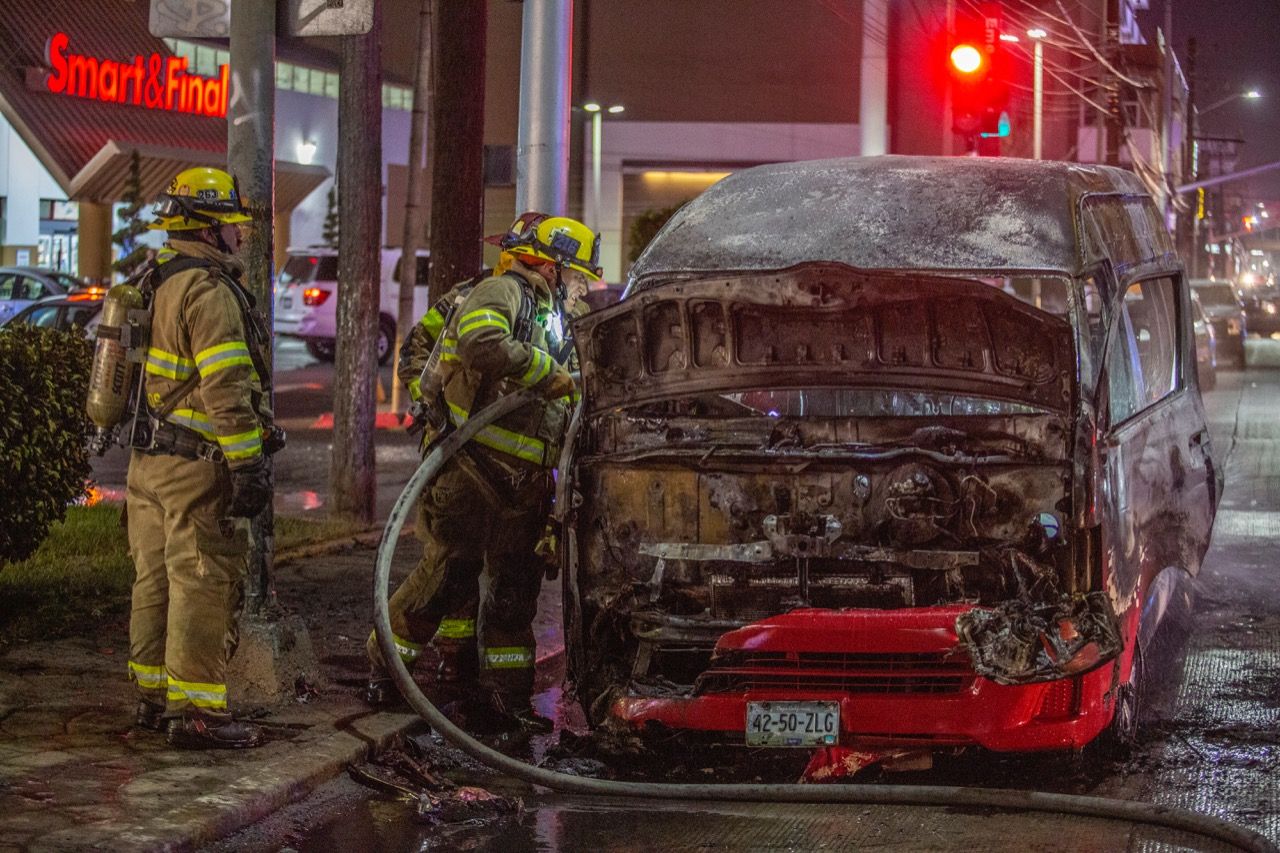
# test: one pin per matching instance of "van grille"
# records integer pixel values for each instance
(915, 673)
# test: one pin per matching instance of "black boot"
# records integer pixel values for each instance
(516, 714)
(149, 716)
(459, 663)
(381, 692)
(198, 732)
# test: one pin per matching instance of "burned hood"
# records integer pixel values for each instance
(825, 325)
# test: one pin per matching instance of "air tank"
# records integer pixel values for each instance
(112, 376)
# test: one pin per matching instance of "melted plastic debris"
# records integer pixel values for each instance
(1021, 640)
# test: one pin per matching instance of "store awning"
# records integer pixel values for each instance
(106, 176)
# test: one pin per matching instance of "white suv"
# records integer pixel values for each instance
(307, 305)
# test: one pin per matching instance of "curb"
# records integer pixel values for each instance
(267, 789)
(329, 546)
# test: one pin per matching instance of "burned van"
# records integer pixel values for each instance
(891, 451)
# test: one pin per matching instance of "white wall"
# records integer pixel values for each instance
(301, 117)
(718, 146)
(23, 182)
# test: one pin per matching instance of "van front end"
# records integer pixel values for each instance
(822, 508)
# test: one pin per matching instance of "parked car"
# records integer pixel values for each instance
(80, 309)
(889, 453)
(21, 286)
(1262, 309)
(1225, 311)
(307, 305)
(1206, 344)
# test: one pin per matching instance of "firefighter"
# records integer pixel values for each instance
(488, 508)
(193, 485)
(455, 637)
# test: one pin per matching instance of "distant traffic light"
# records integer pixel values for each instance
(967, 59)
(979, 94)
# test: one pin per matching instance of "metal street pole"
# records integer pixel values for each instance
(250, 157)
(597, 135)
(1037, 117)
(542, 144)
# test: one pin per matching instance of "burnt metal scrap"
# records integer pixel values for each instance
(1039, 636)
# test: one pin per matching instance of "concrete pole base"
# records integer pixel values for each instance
(273, 664)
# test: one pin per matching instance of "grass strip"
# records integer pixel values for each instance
(81, 575)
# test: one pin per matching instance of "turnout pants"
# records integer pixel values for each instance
(464, 535)
(190, 583)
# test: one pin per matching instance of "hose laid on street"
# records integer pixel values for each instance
(1168, 817)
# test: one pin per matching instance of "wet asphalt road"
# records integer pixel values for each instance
(1209, 742)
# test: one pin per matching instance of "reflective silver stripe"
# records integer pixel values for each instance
(512, 443)
(508, 657)
(148, 676)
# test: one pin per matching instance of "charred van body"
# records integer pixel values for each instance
(892, 450)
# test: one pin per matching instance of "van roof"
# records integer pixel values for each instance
(890, 212)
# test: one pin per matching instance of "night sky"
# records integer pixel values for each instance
(1238, 49)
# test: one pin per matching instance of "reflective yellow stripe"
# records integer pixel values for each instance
(191, 419)
(243, 445)
(198, 694)
(456, 629)
(148, 676)
(408, 650)
(415, 389)
(222, 356)
(508, 657)
(482, 319)
(433, 322)
(539, 368)
(167, 364)
(512, 443)
(449, 349)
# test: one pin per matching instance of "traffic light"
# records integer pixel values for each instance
(975, 63)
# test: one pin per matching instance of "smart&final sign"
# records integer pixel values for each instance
(155, 82)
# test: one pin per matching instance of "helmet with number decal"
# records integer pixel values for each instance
(202, 197)
(562, 241)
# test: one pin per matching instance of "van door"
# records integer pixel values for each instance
(1159, 469)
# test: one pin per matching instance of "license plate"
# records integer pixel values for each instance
(793, 723)
(286, 301)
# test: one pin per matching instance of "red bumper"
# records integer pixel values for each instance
(898, 676)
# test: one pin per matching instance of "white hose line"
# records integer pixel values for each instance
(1168, 817)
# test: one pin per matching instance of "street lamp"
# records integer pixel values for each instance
(597, 112)
(1249, 95)
(1037, 36)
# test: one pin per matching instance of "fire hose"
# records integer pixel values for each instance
(1167, 817)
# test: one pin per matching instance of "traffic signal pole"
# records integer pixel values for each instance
(251, 147)
(542, 144)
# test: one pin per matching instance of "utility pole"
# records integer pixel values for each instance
(457, 141)
(415, 213)
(250, 158)
(542, 143)
(1115, 101)
(352, 475)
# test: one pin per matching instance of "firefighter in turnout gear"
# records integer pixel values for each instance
(198, 474)
(487, 510)
(455, 637)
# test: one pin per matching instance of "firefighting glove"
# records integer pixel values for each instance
(547, 550)
(250, 490)
(561, 385)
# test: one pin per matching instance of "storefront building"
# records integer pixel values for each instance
(86, 87)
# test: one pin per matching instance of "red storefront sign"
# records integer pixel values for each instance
(156, 82)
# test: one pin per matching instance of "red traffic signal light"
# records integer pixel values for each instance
(968, 59)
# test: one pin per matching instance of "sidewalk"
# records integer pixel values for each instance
(74, 775)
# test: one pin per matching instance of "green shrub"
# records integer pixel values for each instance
(44, 379)
(646, 226)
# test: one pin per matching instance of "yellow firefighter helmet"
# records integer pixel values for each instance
(563, 241)
(201, 197)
